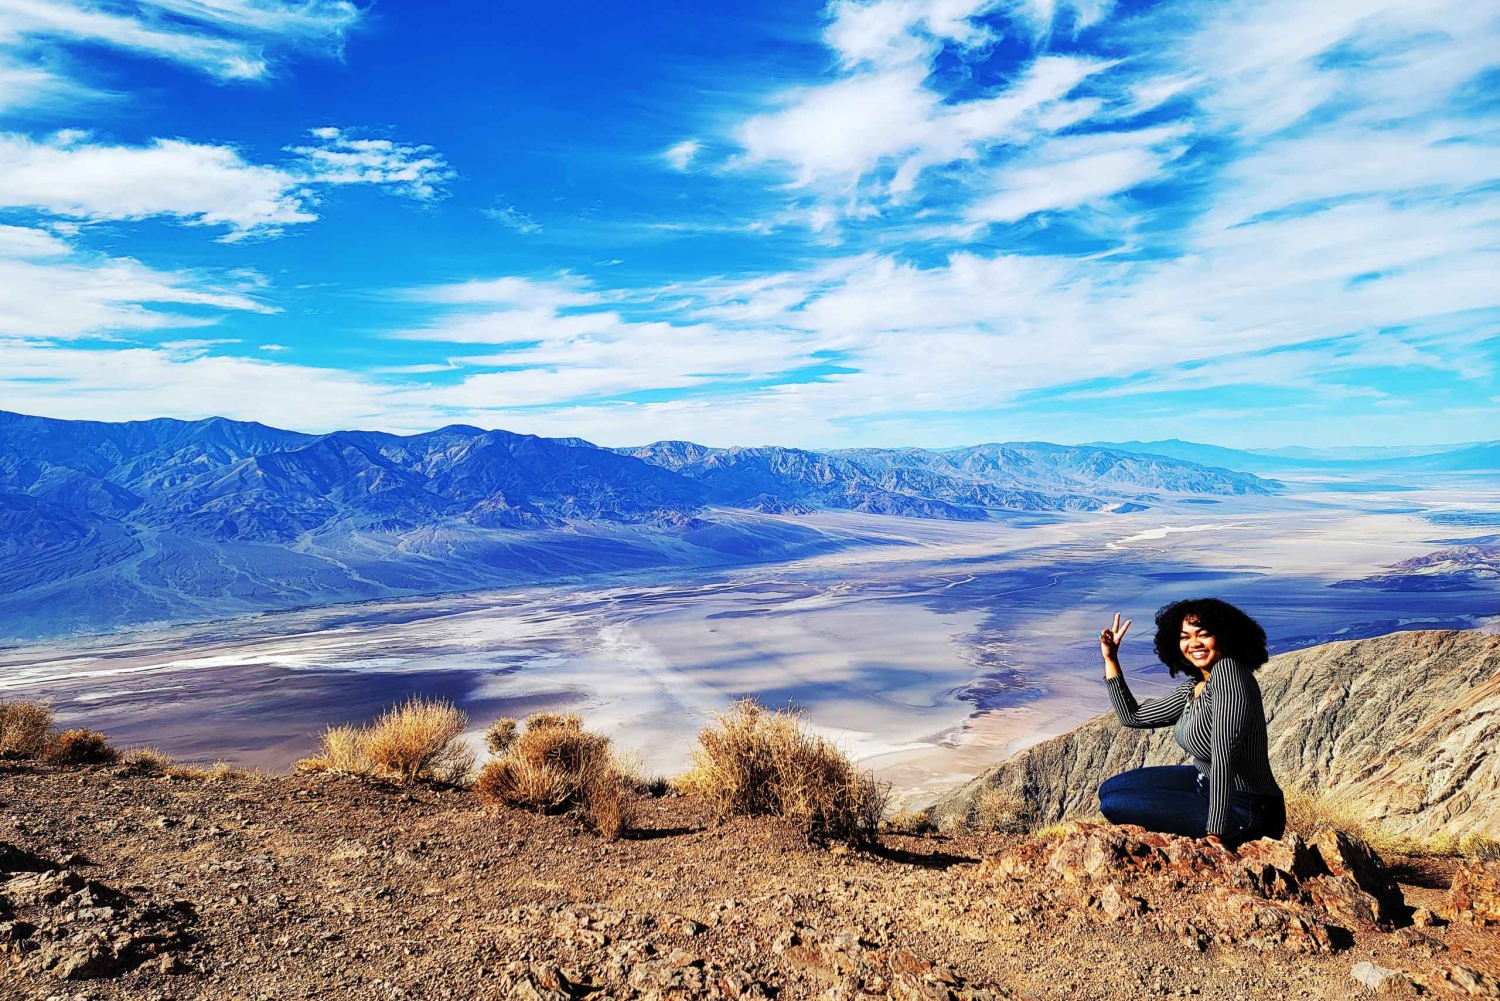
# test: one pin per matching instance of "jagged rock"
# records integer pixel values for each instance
(1348, 857)
(1475, 891)
(43, 888)
(1270, 894)
(1472, 982)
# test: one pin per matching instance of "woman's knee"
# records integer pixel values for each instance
(1118, 783)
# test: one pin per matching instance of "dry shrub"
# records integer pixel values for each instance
(638, 778)
(500, 735)
(755, 761)
(149, 761)
(418, 739)
(1309, 815)
(909, 822)
(1002, 812)
(25, 729)
(557, 766)
(81, 747)
(216, 772)
(339, 751)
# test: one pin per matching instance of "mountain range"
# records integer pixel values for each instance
(104, 523)
(1468, 457)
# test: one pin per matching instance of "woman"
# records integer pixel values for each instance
(1228, 795)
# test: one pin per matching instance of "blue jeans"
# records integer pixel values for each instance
(1173, 799)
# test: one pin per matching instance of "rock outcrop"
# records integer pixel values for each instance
(1268, 895)
(1402, 730)
(55, 920)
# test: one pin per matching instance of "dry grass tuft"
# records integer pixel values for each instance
(1002, 812)
(557, 766)
(1309, 815)
(149, 761)
(416, 740)
(909, 822)
(25, 729)
(80, 747)
(758, 761)
(640, 780)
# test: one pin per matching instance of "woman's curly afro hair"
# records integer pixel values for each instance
(1240, 638)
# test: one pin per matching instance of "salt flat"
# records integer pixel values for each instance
(929, 653)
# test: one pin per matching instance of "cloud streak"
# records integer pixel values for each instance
(204, 185)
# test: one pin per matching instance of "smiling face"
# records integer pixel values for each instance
(1198, 645)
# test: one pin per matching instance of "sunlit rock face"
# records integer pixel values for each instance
(1399, 730)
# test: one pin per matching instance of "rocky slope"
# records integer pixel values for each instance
(117, 885)
(1402, 730)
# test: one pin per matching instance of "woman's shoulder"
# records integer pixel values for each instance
(1227, 671)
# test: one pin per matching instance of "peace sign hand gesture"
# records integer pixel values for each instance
(1109, 641)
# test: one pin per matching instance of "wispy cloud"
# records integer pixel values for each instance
(513, 218)
(47, 290)
(339, 157)
(226, 39)
(203, 185)
(681, 155)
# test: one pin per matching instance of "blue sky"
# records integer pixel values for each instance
(925, 222)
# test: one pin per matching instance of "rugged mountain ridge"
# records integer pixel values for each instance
(961, 484)
(104, 525)
(1402, 730)
(1468, 457)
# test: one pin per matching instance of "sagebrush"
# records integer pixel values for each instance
(416, 740)
(754, 760)
(80, 747)
(25, 729)
(556, 766)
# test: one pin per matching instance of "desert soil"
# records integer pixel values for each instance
(265, 887)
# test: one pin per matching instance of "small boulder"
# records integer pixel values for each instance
(1375, 977)
(1120, 905)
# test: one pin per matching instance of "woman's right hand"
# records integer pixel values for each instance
(1109, 643)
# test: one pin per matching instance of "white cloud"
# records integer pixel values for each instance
(202, 185)
(197, 184)
(49, 291)
(227, 39)
(1067, 173)
(865, 140)
(26, 243)
(513, 218)
(681, 155)
(340, 158)
(512, 292)
(141, 382)
(895, 32)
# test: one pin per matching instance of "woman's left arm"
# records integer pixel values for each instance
(1229, 690)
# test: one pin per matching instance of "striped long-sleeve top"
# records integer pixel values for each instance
(1224, 729)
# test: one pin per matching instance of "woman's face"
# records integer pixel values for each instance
(1198, 645)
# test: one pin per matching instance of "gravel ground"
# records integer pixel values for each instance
(253, 887)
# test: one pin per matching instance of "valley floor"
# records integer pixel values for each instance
(260, 887)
